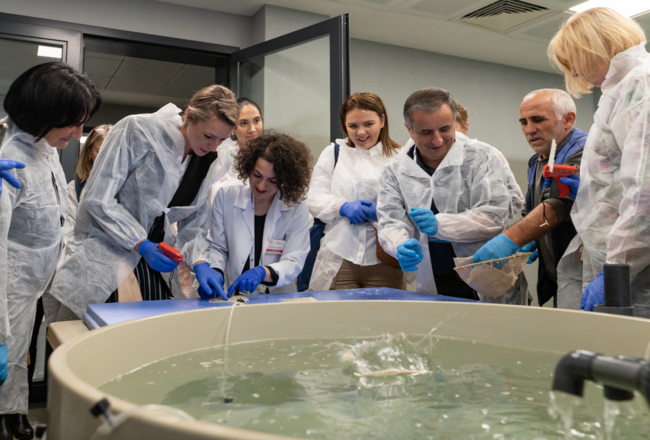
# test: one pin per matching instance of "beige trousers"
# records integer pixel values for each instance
(354, 276)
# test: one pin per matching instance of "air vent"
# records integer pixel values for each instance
(504, 15)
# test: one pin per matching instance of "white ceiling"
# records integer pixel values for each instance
(141, 82)
(429, 25)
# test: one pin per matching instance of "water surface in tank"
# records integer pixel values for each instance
(388, 387)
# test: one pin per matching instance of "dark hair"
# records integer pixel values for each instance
(51, 95)
(428, 100)
(369, 101)
(291, 161)
(242, 102)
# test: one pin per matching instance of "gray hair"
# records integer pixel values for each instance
(428, 100)
(560, 100)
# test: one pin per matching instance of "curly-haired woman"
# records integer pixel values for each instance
(259, 229)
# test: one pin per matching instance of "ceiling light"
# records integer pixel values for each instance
(50, 52)
(628, 8)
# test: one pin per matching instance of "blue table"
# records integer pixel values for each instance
(100, 315)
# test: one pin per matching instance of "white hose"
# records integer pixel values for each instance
(105, 430)
(232, 309)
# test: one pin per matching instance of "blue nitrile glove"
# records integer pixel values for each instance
(4, 364)
(499, 247)
(210, 280)
(248, 281)
(594, 294)
(155, 258)
(425, 220)
(5, 166)
(574, 182)
(409, 255)
(371, 211)
(355, 212)
(530, 247)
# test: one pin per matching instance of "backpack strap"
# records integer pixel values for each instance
(336, 153)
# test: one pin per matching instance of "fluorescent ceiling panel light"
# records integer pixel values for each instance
(628, 8)
(49, 52)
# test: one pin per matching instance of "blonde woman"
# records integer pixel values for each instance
(87, 157)
(601, 48)
(146, 178)
(343, 195)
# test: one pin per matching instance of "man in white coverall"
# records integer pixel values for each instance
(442, 199)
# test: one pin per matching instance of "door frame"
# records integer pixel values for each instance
(73, 33)
(337, 29)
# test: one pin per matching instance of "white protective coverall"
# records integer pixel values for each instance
(231, 236)
(472, 198)
(517, 197)
(36, 215)
(5, 219)
(196, 217)
(611, 212)
(355, 177)
(135, 176)
(73, 206)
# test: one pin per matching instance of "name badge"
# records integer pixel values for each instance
(275, 246)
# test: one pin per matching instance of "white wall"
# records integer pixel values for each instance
(145, 16)
(491, 92)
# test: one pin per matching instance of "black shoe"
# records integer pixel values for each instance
(20, 426)
(5, 428)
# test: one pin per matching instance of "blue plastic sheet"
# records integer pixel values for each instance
(100, 315)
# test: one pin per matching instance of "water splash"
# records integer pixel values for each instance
(611, 412)
(561, 409)
(388, 355)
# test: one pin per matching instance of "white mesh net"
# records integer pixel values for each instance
(494, 277)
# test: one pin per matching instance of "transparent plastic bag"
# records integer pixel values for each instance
(494, 277)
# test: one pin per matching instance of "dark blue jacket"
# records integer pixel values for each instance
(564, 232)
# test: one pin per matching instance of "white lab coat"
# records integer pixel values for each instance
(36, 213)
(611, 212)
(231, 236)
(472, 198)
(517, 199)
(355, 177)
(135, 176)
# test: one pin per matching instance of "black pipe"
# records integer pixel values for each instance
(621, 376)
(617, 290)
(572, 371)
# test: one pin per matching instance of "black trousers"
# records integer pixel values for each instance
(452, 285)
(152, 284)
